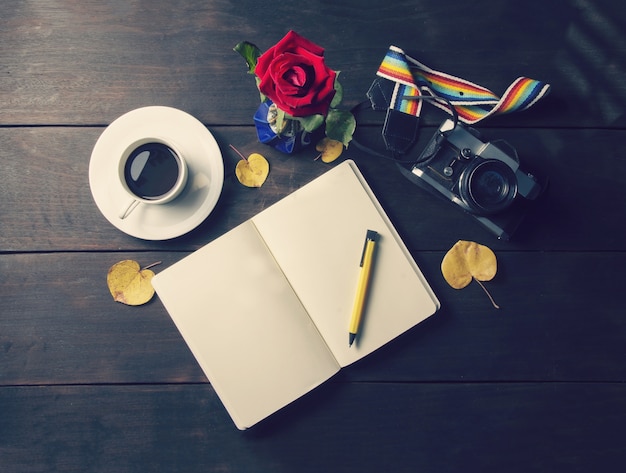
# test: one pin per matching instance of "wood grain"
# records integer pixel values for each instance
(45, 173)
(342, 427)
(89, 62)
(561, 320)
(87, 384)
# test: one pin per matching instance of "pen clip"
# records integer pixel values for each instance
(370, 236)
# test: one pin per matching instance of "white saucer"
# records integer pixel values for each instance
(196, 144)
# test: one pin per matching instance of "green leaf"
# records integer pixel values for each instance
(261, 94)
(250, 53)
(311, 123)
(340, 126)
(338, 92)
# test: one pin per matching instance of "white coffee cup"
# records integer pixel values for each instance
(152, 171)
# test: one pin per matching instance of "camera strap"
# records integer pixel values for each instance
(403, 84)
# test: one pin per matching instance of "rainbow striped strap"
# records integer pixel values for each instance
(471, 101)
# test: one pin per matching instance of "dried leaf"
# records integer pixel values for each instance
(129, 284)
(253, 171)
(330, 149)
(468, 260)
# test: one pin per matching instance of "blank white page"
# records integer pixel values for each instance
(245, 326)
(317, 233)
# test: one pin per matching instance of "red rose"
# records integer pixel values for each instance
(294, 76)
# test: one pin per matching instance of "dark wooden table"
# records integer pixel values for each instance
(87, 384)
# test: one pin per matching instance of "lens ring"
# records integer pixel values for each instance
(488, 186)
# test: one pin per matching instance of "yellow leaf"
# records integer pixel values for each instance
(330, 149)
(129, 284)
(253, 170)
(468, 260)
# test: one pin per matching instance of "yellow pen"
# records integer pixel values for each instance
(371, 238)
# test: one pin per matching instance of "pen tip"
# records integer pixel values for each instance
(352, 337)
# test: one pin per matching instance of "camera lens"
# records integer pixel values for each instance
(488, 186)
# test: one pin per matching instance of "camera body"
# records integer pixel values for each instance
(481, 178)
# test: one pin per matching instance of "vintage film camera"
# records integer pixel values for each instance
(481, 178)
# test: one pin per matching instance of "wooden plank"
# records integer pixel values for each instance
(46, 204)
(87, 384)
(340, 427)
(63, 63)
(57, 211)
(561, 320)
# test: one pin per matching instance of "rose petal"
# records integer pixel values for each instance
(294, 76)
(293, 40)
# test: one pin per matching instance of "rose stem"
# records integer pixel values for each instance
(237, 151)
(487, 292)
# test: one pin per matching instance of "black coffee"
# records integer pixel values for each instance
(151, 170)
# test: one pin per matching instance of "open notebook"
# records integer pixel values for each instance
(265, 308)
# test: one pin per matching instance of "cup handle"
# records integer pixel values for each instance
(128, 208)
